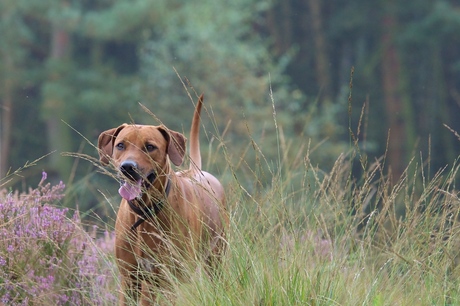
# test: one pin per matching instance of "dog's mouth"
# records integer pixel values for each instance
(134, 185)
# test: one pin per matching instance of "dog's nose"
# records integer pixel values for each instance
(130, 170)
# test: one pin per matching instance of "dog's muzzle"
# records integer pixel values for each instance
(131, 188)
(130, 170)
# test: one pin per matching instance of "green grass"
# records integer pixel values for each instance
(300, 235)
(315, 238)
(309, 237)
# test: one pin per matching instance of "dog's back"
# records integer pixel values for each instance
(209, 190)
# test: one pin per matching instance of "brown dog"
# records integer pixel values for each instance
(166, 220)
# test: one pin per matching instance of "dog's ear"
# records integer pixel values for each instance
(105, 143)
(176, 145)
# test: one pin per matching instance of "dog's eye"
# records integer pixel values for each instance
(120, 146)
(150, 147)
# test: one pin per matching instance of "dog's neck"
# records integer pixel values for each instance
(147, 206)
(158, 187)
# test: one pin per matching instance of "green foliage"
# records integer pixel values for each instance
(440, 17)
(121, 53)
(218, 53)
(120, 20)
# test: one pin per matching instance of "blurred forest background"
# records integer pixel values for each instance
(87, 64)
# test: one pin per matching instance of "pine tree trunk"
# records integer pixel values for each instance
(321, 54)
(6, 118)
(57, 133)
(279, 23)
(391, 74)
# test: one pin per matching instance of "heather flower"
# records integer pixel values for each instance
(44, 177)
(5, 299)
(46, 257)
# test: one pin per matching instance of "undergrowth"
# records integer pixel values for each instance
(47, 257)
(298, 235)
(336, 239)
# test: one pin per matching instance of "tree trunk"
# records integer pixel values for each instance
(321, 54)
(391, 74)
(6, 117)
(443, 114)
(54, 106)
(279, 23)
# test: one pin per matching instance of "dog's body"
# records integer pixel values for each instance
(184, 212)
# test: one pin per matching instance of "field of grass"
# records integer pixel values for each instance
(298, 236)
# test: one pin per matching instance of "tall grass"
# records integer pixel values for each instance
(315, 238)
(298, 236)
(310, 237)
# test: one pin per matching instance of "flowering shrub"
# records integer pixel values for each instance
(46, 257)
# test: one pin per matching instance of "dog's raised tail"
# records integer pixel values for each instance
(195, 154)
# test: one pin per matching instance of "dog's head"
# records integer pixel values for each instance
(140, 153)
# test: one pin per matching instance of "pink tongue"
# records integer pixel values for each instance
(130, 192)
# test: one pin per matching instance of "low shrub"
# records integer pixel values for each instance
(46, 257)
